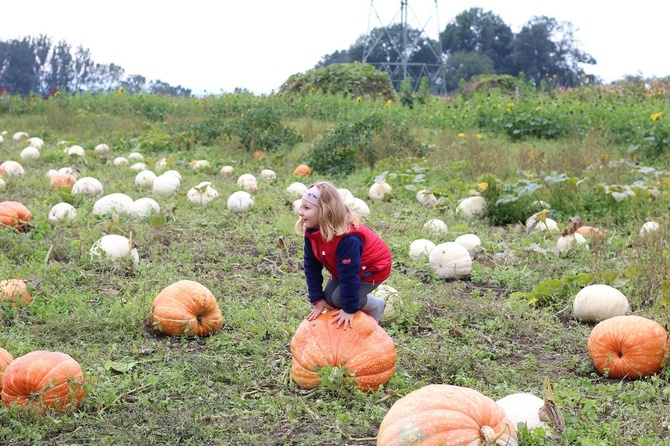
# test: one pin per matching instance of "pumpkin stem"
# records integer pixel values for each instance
(490, 438)
(550, 412)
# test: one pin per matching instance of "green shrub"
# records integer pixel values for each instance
(260, 128)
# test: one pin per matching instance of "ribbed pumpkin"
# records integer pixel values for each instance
(302, 170)
(186, 308)
(43, 379)
(61, 179)
(365, 350)
(5, 359)
(628, 346)
(14, 214)
(445, 415)
(15, 291)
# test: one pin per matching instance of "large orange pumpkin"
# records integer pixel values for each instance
(62, 180)
(43, 379)
(628, 346)
(14, 214)
(365, 350)
(5, 359)
(186, 308)
(302, 170)
(15, 290)
(445, 415)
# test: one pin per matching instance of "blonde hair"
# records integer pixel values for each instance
(334, 214)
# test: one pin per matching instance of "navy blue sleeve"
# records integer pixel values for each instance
(348, 255)
(313, 274)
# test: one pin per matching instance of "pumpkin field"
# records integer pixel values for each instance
(152, 288)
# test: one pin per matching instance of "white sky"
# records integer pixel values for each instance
(215, 46)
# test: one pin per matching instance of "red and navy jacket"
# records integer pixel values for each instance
(360, 254)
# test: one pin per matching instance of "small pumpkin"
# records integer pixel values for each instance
(591, 232)
(302, 170)
(258, 155)
(15, 291)
(472, 207)
(186, 308)
(62, 180)
(595, 303)
(628, 347)
(365, 350)
(5, 359)
(15, 214)
(450, 260)
(420, 248)
(43, 379)
(447, 415)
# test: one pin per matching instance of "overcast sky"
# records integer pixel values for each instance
(213, 47)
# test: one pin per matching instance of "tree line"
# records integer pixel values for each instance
(37, 65)
(475, 42)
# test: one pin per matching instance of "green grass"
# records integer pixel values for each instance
(233, 388)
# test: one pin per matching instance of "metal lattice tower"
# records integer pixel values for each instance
(404, 69)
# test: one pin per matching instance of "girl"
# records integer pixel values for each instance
(357, 259)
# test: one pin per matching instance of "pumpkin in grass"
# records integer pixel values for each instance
(43, 379)
(365, 350)
(15, 291)
(591, 232)
(14, 214)
(446, 415)
(62, 180)
(302, 170)
(258, 155)
(5, 359)
(628, 347)
(186, 308)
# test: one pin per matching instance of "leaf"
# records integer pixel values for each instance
(119, 367)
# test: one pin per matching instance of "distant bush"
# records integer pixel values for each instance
(367, 141)
(354, 79)
(260, 128)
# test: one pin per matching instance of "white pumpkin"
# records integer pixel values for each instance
(547, 225)
(295, 206)
(200, 164)
(30, 153)
(648, 227)
(566, 243)
(102, 150)
(36, 142)
(145, 179)
(173, 173)
(378, 190)
(347, 196)
(62, 211)
(2, 140)
(268, 174)
(135, 157)
(523, 408)
(87, 186)
(115, 248)
(202, 194)
(50, 173)
(69, 171)
(76, 151)
(360, 207)
(165, 184)
(227, 171)
(116, 203)
(436, 227)
(120, 161)
(470, 242)
(247, 182)
(426, 198)
(392, 298)
(2, 184)
(143, 207)
(240, 201)
(18, 136)
(12, 168)
(420, 248)
(137, 167)
(472, 207)
(595, 303)
(296, 190)
(450, 260)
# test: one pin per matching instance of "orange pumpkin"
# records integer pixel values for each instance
(2, 171)
(258, 155)
(43, 379)
(591, 232)
(442, 414)
(365, 350)
(62, 180)
(14, 214)
(186, 308)
(15, 290)
(628, 346)
(302, 170)
(5, 359)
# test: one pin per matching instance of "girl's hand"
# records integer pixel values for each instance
(317, 309)
(341, 317)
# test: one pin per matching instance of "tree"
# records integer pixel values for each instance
(484, 33)
(134, 84)
(466, 65)
(19, 66)
(60, 74)
(163, 88)
(545, 49)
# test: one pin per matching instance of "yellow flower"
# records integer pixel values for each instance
(538, 108)
(197, 101)
(306, 106)
(528, 175)
(655, 116)
(510, 105)
(479, 136)
(509, 110)
(461, 135)
(358, 100)
(483, 186)
(119, 91)
(388, 103)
